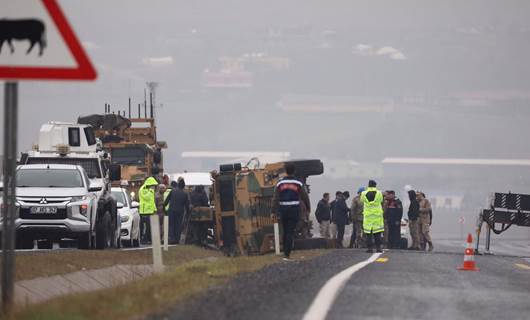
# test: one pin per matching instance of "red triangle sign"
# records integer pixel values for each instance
(37, 42)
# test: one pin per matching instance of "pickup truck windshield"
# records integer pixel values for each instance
(49, 178)
(90, 165)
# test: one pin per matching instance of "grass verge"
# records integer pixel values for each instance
(30, 265)
(153, 294)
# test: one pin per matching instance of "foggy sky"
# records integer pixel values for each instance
(443, 50)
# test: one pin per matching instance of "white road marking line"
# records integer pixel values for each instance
(326, 296)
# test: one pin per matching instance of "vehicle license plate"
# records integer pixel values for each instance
(43, 210)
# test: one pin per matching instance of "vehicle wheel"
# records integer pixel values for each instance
(84, 241)
(403, 243)
(25, 243)
(45, 244)
(308, 167)
(104, 232)
(136, 243)
(127, 243)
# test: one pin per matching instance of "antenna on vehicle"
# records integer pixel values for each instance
(145, 103)
(151, 103)
(152, 95)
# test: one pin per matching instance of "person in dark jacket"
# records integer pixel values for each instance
(289, 196)
(339, 216)
(179, 207)
(199, 198)
(413, 215)
(323, 215)
(394, 213)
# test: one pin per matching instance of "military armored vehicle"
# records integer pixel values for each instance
(132, 144)
(242, 198)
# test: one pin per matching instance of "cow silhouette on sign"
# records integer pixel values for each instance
(23, 29)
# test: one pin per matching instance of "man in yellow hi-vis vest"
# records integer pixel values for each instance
(147, 207)
(373, 223)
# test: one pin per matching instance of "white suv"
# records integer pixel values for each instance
(56, 201)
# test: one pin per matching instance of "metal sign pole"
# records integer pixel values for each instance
(8, 204)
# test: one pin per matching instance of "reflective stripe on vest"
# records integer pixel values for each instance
(289, 203)
(373, 212)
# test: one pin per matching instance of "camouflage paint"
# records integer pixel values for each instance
(253, 194)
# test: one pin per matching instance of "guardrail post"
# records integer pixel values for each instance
(277, 238)
(166, 232)
(155, 240)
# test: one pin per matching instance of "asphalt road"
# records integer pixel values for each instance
(405, 285)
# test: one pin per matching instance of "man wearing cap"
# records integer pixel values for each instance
(373, 223)
(424, 221)
(356, 217)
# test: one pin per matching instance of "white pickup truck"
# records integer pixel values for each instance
(75, 144)
(58, 201)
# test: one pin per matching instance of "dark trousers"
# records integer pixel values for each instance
(340, 234)
(289, 217)
(394, 234)
(175, 226)
(145, 228)
(370, 237)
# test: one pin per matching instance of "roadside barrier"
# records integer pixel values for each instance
(469, 256)
(155, 241)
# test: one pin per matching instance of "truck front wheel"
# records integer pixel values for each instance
(104, 232)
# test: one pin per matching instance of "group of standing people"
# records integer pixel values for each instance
(369, 222)
(173, 201)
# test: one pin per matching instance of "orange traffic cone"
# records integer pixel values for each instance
(469, 256)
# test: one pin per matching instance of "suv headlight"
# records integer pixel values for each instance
(80, 206)
(124, 218)
(79, 198)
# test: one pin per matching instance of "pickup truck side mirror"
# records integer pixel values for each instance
(115, 172)
(135, 205)
(94, 187)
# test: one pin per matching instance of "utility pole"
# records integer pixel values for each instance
(9, 194)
